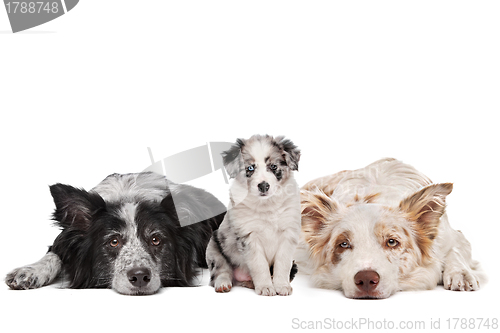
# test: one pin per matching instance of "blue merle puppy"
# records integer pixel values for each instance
(255, 244)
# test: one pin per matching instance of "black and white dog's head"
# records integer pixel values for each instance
(261, 165)
(125, 234)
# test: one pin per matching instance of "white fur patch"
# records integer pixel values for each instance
(378, 234)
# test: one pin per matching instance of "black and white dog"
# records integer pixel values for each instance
(126, 234)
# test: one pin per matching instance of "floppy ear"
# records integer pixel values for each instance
(188, 205)
(232, 158)
(316, 209)
(75, 207)
(291, 152)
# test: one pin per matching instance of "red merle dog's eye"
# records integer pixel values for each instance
(342, 245)
(345, 245)
(392, 243)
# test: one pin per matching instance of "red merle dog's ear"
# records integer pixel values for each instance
(318, 211)
(426, 206)
(75, 207)
(424, 209)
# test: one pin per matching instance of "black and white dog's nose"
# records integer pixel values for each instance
(264, 187)
(139, 277)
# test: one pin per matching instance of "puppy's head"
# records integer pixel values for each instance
(261, 165)
(133, 247)
(369, 250)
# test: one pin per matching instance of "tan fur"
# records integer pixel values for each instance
(425, 209)
(317, 208)
(392, 220)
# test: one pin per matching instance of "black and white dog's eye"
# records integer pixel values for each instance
(155, 241)
(114, 242)
(274, 167)
(251, 168)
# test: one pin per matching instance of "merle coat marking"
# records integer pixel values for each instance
(256, 241)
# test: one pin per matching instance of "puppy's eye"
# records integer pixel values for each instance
(155, 241)
(251, 168)
(345, 245)
(392, 243)
(274, 167)
(114, 242)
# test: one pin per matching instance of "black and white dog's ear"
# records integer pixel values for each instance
(232, 158)
(75, 207)
(188, 205)
(291, 152)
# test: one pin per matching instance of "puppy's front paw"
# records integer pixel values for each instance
(24, 278)
(283, 290)
(265, 290)
(223, 285)
(463, 280)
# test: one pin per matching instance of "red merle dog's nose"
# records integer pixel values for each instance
(139, 277)
(367, 281)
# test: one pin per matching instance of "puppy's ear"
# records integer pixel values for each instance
(425, 208)
(317, 209)
(291, 152)
(232, 158)
(74, 207)
(188, 205)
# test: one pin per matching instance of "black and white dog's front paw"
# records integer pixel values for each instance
(24, 278)
(35, 276)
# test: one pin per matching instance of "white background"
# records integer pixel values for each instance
(349, 82)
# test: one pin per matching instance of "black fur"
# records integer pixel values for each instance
(293, 271)
(291, 153)
(218, 243)
(90, 225)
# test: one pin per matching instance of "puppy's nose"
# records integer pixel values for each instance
(366, 280)
(139, 277)
(264, 187)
